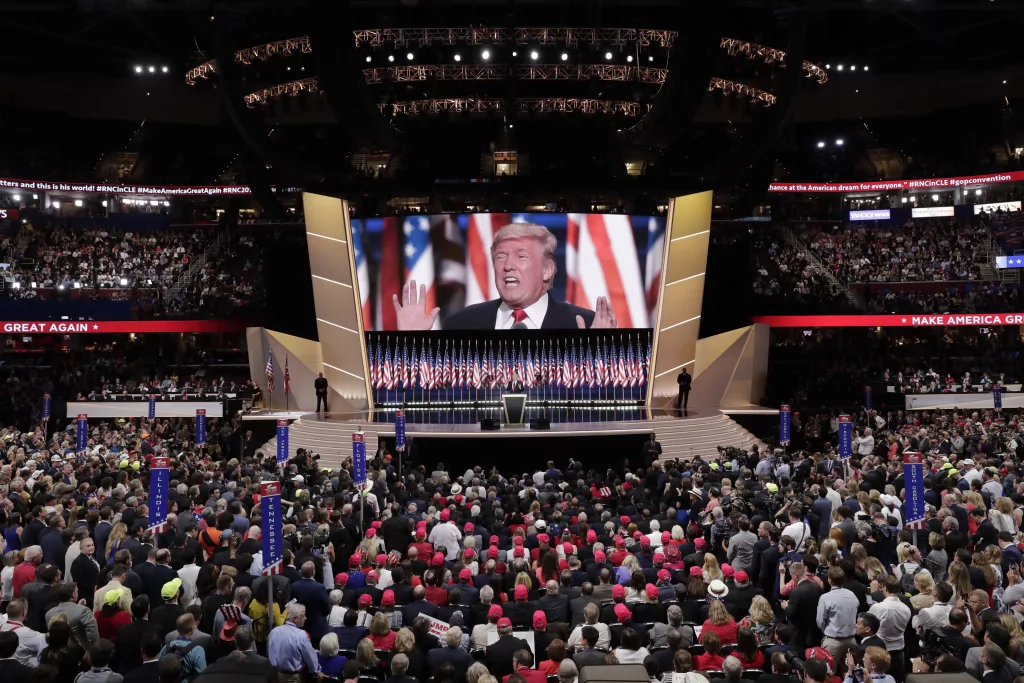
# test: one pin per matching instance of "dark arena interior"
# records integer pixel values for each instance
(437, 341)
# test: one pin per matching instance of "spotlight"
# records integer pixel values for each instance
(33, 285)
(152, 69)
(1004, 81)
(164, 69)
(391, 58)
(78, 285)
(17, 197)
(839, 142)
(534, 55)
(935, 197)
(629, 58)
(565, 56)
(103, 203)
(138, 69)
(977, 192)
(153, 202)
(368, 60)
(607, 55)
(458, 58)
(914, 198)
(903, 200)
(828, 66)
(78, 202)
(35, 196)
(486, 54)
(821, 144)
(60, 287)
(55, 205)
(650, 58)
(124, 281)
(840, 67)
(514, 53)
(408, 56)
(865, 67)
(853, 67)
(167, 203)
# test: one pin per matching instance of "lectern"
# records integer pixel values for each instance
(515, 408)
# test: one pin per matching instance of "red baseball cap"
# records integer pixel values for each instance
(567, 548)
(665, 537)
(665, 575)
(518, 540)
(495, 540)
(466, 574)
(591, 536)
(540, 620)
(354, 560)
(620, 542)
(624, 519)
(375, 525)
(469, 527)
(372, 576)
(492, 553)
(421, 532)
(365, 600)
(469, 553)
(695, 571)
(652, 592)
(699, 543)
(494, 612)
(381, 559)
(340, 579)
(388, 599)
(521, 592)
(458, 499)
(519, 551)
(728, 570)
(622, 613)
(600, 557)
(618, 592)
(445, 514)
(543, 538)
(504, 622)
(637, 534)
(645, 541)
(437, 560)
(741, 577)
(371, 532)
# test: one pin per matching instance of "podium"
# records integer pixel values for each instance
(514, 407)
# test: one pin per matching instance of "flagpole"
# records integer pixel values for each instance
(287, 398)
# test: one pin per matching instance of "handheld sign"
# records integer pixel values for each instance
(201, 428)
(270, 504)
(845, 437)
(784, 424)
(152, 407)
(359, 459)
(82, 435)
(997, 398)
(913, 482)
(159, 484)
(282, 442)
(47, 407)
(400, 430)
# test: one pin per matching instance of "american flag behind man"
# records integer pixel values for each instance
(419, 255)
(387, 371)
(287, 377)
(601, 260)
(652, 268)
(480, 231)
(362, 273)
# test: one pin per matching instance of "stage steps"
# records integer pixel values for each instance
(680, 438)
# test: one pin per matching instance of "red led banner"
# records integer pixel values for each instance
(942, 320)
(118, 326)
(912, 184)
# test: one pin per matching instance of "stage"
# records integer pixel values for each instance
(699, 434)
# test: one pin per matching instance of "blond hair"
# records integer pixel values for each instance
(761, 610)
(711, 568)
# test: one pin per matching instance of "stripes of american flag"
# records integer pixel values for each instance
(270, 373)
(275, 568)
(618, 359)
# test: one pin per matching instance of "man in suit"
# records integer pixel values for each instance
(166, 615)
(149, 649)
(129, 653)
(652, 450)
(418, 606)
(86, 571)
(801, 609)
(161, 574)
(578, 605)
(11, 670)
(320, 385)
(313, 596)
(523, 258)
(822, 507)
(587, 654)
(554, 605)
(451, 652)
(993, 659)
(500, 652)
(684, 381)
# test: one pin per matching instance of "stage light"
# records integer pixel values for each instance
(629, 58)
(828, 66)
(33, 285)
(17, 197)
(153, 202)
(166, 203)
(152, 69)
(60, 287)
(138, 69)
(1004, 81)
(514, 53)
(913, 199)
(821, 144)
(534, 55)
(607, 55)
(650, 58)
(853, 67)
(865, 68)
(124, 281)
(903, 200)
(486, 54)
(839, 68)
(78, 285)
(164, 69)
(78, 202)
(368, 60)
(391, 58)
(458, 58)
(977, 192)
(35, 196)
(55, 205)
(935, 197)
(839, 142)
(149, 282)
(409, 56)
(104, 203)
(565, 56)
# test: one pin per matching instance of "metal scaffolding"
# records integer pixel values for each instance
(247, 55)
(734, 88)
(491, 72)
(290, 89)
(571, 37)
(769, 55)
(525, 105)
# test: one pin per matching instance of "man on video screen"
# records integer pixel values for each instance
(523, 256)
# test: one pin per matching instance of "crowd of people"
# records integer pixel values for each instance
(785, 280)
(990, 297)
(783, 566)
(920, 250)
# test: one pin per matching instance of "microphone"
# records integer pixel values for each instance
(520, 326)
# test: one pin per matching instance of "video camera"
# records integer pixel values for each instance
(936, 645)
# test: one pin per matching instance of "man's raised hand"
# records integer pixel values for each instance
(411, 311)
(604, 316)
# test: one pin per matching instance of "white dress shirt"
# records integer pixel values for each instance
(535, 313)
(933, 618)
(448, 535)
(799, 532)
(893, 617)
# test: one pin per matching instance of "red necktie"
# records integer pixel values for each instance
(519, 315)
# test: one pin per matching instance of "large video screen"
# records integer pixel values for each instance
(509, 271)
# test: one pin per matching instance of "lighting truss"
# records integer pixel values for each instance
(734, 88)
(490, 72)
(769, 55)
(247, 55)
(526, 104)
(572, 37)
(290, 89)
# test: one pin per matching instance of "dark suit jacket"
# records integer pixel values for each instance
(587, 657)
(460, 660)
(414, 609)
(556, 607)
(801, 612)
(560, 316)
(127, 654)
(12, 671)
(314, 596)
(86, 573)
(144, 673)
(577, 605)
(499, 654)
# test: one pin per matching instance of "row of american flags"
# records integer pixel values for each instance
(611, 255)
(614, 361)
